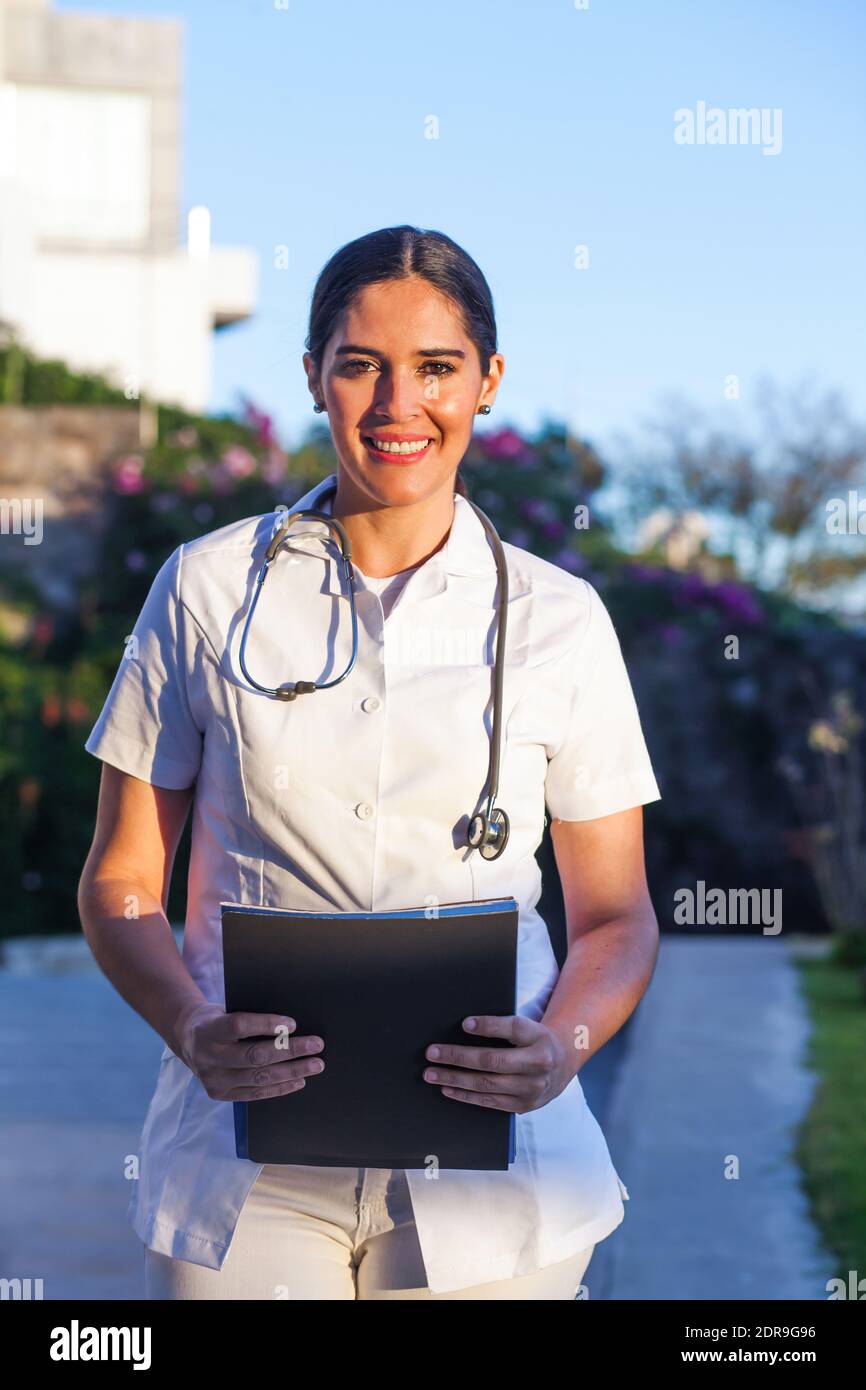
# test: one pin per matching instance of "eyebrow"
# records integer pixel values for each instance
(421, 352)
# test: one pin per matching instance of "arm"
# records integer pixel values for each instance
(612, 930)
(122, 897)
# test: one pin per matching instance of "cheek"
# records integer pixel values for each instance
(348, 402)
(454, 410)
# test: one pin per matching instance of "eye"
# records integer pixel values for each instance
(354, 362)
(447, 367)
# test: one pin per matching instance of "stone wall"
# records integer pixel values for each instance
(56, 462)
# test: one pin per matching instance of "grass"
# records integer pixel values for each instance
(831, 1144)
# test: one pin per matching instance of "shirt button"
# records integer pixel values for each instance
(363, 810)
(372, 702)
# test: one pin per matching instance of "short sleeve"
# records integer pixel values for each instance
(146, 726)
(602, 765)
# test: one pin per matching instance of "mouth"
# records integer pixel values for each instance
(398, 448)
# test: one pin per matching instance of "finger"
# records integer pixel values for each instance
(498, 1101)
(283, 1047)
(252, 1093)
(246, 1025)
(267, 1051)
(480, 1081)
(515, 1028)
(258, 1083)
(525, 1061)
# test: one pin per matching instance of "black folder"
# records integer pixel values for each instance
(378, 988)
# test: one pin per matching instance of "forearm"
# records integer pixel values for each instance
(605, 974)
(138, 953)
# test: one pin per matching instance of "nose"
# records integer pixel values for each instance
(399, 394)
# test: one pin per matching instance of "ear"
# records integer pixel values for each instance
(313, 383)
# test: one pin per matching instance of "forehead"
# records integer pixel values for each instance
(396, 310)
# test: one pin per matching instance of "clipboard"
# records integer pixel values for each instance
(378, 988)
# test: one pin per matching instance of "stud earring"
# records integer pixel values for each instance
(318, 407)
(484, 410)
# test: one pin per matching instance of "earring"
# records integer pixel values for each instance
(318, 407)
(485, 410)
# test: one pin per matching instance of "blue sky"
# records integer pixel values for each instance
(304, 127)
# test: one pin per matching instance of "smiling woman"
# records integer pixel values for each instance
(361, 796)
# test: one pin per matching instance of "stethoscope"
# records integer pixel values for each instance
(488, 829)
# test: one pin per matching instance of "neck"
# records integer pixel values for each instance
(387, 539)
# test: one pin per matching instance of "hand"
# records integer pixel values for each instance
(233, 1061)
(519, 1078)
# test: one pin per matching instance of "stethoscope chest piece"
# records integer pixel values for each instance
(489, 834)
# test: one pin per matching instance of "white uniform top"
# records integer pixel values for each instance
(358, 798)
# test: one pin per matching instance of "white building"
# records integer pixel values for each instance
(92, 269)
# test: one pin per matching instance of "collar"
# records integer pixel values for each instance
(467, 550)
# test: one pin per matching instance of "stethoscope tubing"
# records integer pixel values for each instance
(291, 691)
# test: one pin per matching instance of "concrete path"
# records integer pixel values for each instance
(713, 1069)
(78, 1069)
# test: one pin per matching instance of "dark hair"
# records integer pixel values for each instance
(395, 253)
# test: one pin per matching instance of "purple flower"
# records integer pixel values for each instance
(646, 574)
(738, 602)
(695, 589)
(535, 508)
(504, 444)
(569, 560)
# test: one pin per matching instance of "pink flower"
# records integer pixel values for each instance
(221, 481)
(43, 629)
(187, 438)
(51, 710)
(128, 475)
(275, 465)
(238, 461)
(260, 422)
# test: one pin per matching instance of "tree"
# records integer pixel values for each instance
(769, 498)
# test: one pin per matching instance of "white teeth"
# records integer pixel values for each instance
(407, 447)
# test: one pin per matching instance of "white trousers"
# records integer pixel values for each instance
(335, 1233)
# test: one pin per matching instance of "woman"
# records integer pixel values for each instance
(356, 797)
